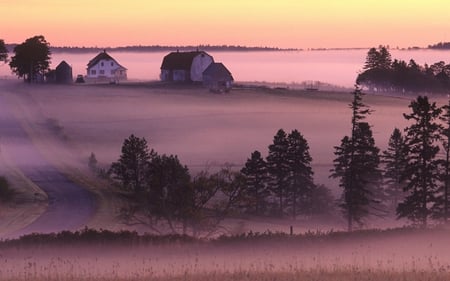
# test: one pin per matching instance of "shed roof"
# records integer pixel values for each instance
(180, 60)
(63, 65)
(102, 56)
(217, 70)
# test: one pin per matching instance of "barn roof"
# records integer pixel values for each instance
(180, 60)
(63, 66)
(102, 56)
(217, 70)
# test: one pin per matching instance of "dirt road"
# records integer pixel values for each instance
(70, 206)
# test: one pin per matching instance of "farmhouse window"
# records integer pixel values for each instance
(93, 72)
(101, 64)
(112, 64)
(102, 71)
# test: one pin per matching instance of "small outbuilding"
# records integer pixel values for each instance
(63, 73)
(217, 78)
(105, 67)
(185, 66)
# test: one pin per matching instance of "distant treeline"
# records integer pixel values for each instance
(440, 46)
(159, 48)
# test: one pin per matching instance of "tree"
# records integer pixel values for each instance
(395, 159)
(443, 204)
(278, 167)
(3, 51)
(31, 58)
(356, 165)
(301, 182)
(132, 167)
(256, 190)
(421, 174)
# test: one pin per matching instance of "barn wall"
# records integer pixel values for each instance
(199, 64)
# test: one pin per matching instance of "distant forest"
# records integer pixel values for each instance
(440, 46)
(159, 48)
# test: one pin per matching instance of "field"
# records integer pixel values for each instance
(206, 131)
(404, 254)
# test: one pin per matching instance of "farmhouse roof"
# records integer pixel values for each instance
(102, 56)
(217, 70)
(180, 60)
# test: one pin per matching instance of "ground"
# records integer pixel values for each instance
(205, 130)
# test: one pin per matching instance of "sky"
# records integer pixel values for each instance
(273, 23)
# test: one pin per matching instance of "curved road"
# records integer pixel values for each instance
(70, 206)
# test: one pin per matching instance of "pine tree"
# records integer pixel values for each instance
(356, 165)
(443, 204)
(256, 191)
(422, 170)
(278, 167)
(132, 167)
(395, 159)
(301, 174)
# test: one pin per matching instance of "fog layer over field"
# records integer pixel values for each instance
(205, 130)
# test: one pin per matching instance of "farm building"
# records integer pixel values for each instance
(185, 66)
(103, 66)
(217, 77)
(62, 74)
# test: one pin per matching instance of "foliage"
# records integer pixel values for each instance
(31, 59)
(442, 205)
(256, 191)
(356, 166)
(421, 174)
(301, 183)
(132, 167)
(381, 74)
(278, 167)
(3, 51)
(6, 192)
(395, 160)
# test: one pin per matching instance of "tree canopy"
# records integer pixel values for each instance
(3, 51)
(31, 59)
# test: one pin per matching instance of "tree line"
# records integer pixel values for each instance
(383, 74)
(410, 179)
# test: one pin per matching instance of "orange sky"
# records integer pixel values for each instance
(280, 23)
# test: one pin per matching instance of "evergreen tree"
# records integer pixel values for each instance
(278, 167)
(301, 182)
(255, 175)
(442, 204)
(356, 165)
(395, 158)
(421, 174)
(132, 167)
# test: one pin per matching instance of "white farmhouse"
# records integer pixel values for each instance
(185, 66)
(103, 66)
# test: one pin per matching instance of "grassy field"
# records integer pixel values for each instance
(404, 254)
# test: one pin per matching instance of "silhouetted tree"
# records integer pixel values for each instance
(301, 182)
(3, 51)
(278, 167)
(441, 209)
(356, 165)
(395, 159)
(422, 175)
(31, 58)
(256, 190)
(131, 170)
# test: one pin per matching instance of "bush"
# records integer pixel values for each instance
(6, 192)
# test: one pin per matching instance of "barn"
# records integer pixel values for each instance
(105, 67)
(185, 66)
(217, 78)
